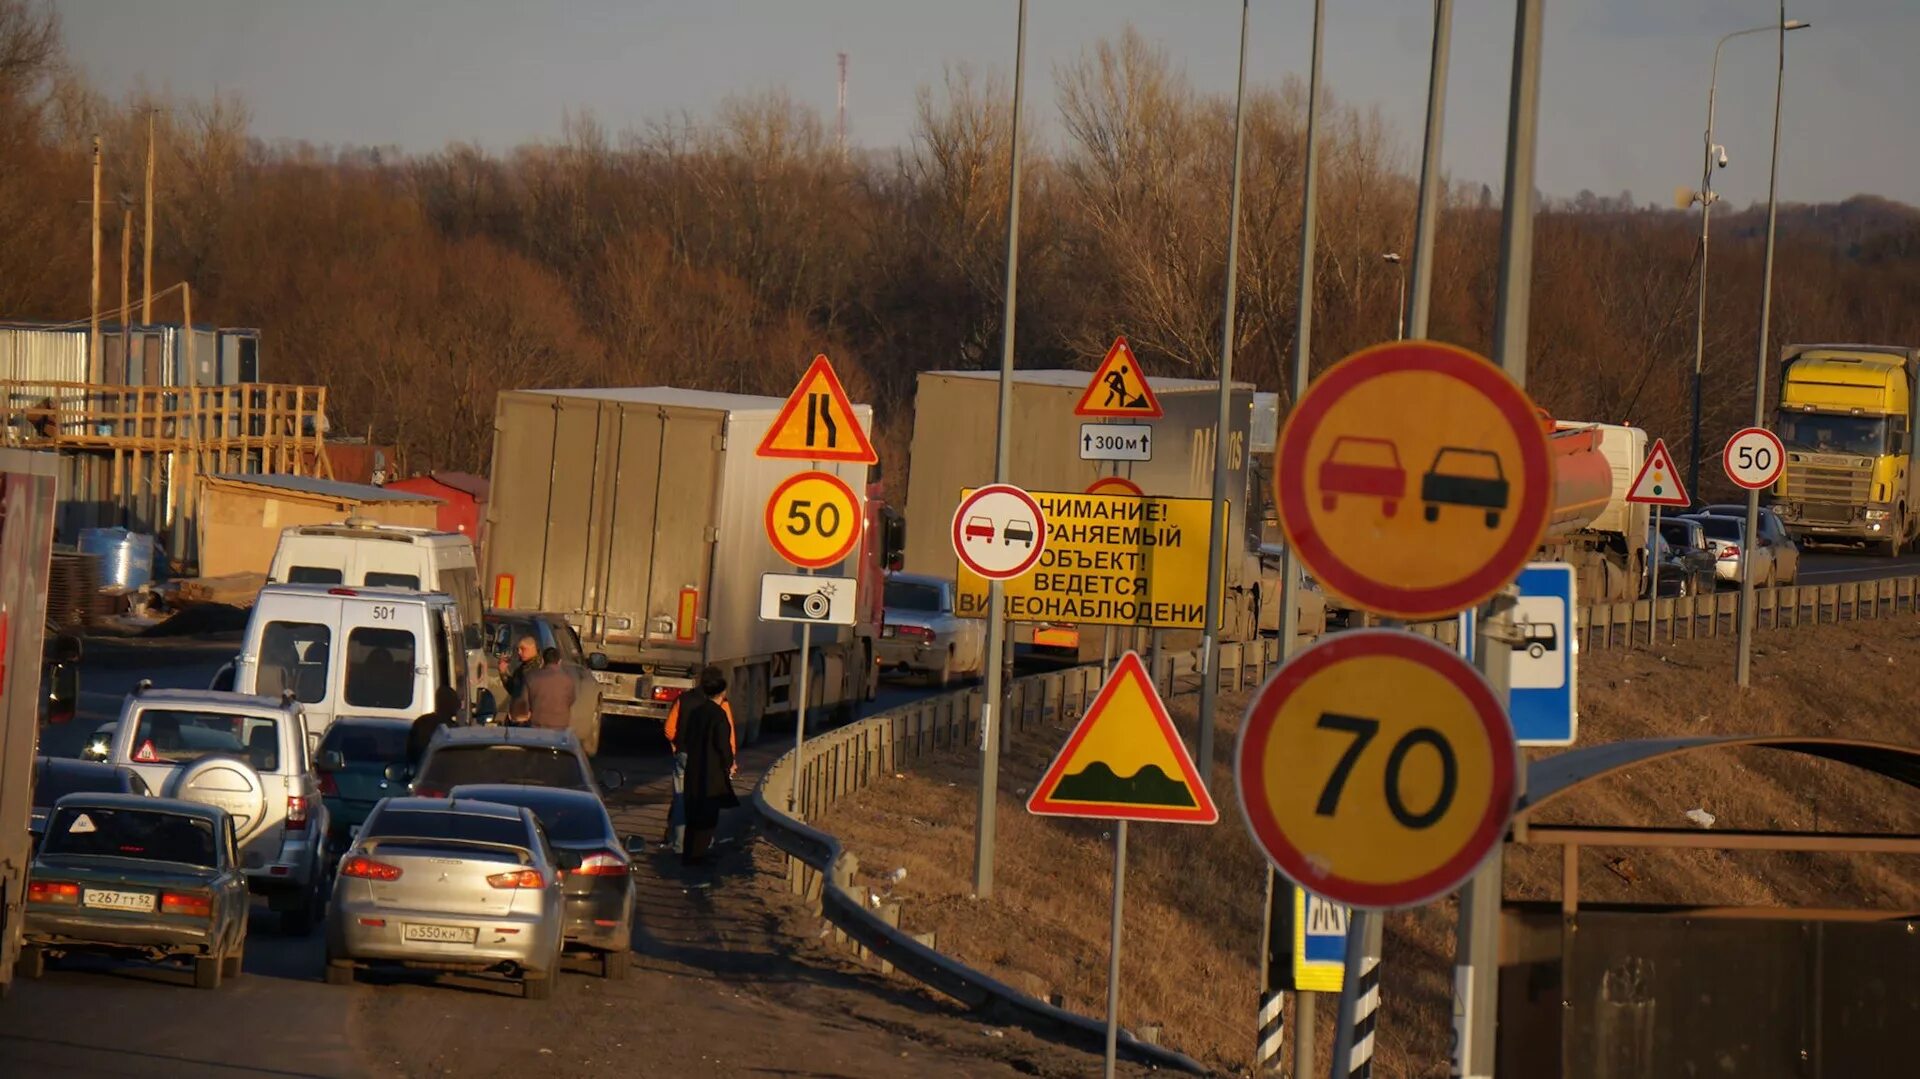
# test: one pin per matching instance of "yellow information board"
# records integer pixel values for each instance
(1109, 561)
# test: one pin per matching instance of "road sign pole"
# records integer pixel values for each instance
(800, 718)
(1303, 1020)
(1270, 1038)
(1216, 555)
(996, 592)
(1427, 214)
(1476, 956)
(1359, 999)
(1113, 946)
(1653, 588)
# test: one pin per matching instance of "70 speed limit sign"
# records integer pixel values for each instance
(1754, 458)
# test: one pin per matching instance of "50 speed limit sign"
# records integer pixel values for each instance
(813, 519)
(1754, 458)
(1377, 769)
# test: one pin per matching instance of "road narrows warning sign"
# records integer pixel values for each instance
(818, 423)
(1125, 761)
(1119, 388)
(1658, 483)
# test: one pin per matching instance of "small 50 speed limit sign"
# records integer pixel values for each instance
(1754, 458)
(1377, 769)
(813, 519)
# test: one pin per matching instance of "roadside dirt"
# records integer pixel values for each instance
(1194, 895)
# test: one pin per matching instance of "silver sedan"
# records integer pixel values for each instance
(449, 885)
(924, 636)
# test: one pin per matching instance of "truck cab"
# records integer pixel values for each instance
(1847, 416)
(365, 554)
(354, 651)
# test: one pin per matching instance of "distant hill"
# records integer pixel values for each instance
(1866, 228)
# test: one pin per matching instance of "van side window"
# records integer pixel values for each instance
(463, 584)
(313, 575)
(380, 666)
(443, 651)
(376, 579)
(293, 656)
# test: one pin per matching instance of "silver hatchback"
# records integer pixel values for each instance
(449, 885)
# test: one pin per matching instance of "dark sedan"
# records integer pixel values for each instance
(353, 762)
(56, 777)
(134, 877)
(598, 868)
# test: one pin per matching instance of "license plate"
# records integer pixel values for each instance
(889, 631)
(439, 934)
(105, 900)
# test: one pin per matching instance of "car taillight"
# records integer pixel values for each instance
(296, 812)
(327, 785)
(519, 878)
(601, 864)
(668, 693)
(186, 903)
(918, 633)
(1729, 551)
(429, 792)
(367, 869)
(52, 891)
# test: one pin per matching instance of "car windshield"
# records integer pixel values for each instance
(450, 766)
(1820, 432)
(146, 834)
(52, 784)
(1377, 452)
(569, 818)
(180, 736)
(1474, 464)
(444, 824)
(1723, 528)
(913, 596)
(377, 744)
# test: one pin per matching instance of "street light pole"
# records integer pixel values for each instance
(1743, 667)
(1706, 198)
(1392, 258)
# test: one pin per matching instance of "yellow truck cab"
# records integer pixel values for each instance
(1846, 417)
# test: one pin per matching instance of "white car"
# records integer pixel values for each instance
(923, 635)
(1774, 560)
(248, 755)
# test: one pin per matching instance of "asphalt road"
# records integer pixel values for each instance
(1828, 565)
(714, 957)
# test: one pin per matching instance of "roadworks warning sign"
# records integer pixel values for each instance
(1125, 761)
(1109, 561)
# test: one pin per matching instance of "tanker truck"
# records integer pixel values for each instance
(1593, 527)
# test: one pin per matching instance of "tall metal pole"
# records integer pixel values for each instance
(800, 719)
(1113, 946)
(1216, 553)
(1427, 216)
(126, 288)
(1707, 199)
(996, 592)
(1743, 667)
(1476, 946)
(1277, 891)
(93, 291)
(146, 240)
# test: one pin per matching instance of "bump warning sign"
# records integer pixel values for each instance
(1125, 761)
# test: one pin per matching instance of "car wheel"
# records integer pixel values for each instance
(1536, 650)
(32, 962)
(1493, 520)
(1327, 502)
(538, 988)
(339, 971)
(299, 921)
(230, 966)
(1388, 507)
(944, 676)
(206, 972)
(1433, 514)
(615, 965)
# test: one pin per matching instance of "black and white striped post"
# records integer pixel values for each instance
(1275, 977)
(1359, 999)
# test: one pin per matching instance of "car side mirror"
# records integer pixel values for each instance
(636, 846)
(223, 679)
(397, 772)
(597, 661)
(66, 648)
(612, 779)
(331, 761)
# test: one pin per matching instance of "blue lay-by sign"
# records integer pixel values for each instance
(1319, 943)
(1543, 699)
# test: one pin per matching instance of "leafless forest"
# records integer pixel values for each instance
(723, 251)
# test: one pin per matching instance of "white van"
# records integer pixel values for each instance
(354, 651)
(365, 554)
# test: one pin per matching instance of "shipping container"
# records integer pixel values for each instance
(640, 515)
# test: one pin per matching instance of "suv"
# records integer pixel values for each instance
(529, 755)
(250, 756)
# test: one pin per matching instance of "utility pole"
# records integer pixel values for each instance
(146, 239)
(126, 284)
(1002, 450)
(93, 292)
(840, 122)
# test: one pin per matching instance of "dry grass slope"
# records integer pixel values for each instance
(1193, 894)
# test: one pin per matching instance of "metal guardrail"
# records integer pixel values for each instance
(842, 762)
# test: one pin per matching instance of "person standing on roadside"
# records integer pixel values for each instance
(677, 812)
(705, 735)
(446, 709)
(513, 672)
(550, 693)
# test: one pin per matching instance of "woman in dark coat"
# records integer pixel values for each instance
(707, 739)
